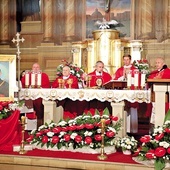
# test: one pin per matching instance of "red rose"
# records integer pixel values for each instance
(56, 129)
(145, 139)
(80, 127)
(114, 118)
(72, 128)
(30, 138)
(66, 137)
(55, 139)
(168, 150)
(150, 154)
(44, 139)
(88, 140)
(78, 139)
(107, 122)
(65, 129)
(4, 104)
(39, 134)
(167, 130)
(98, 137)
(89, 126)
(46, 130)
(110, 134)
(1, 107)
(160, 151)
(159, 136)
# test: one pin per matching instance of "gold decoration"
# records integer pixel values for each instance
(70, 82)
(102, 156)
(22, 151)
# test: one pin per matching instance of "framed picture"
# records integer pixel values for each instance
(7, 77)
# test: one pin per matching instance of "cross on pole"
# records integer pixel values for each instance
(17, 41)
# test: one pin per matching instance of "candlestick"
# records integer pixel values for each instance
(102, 156)
(22, 150)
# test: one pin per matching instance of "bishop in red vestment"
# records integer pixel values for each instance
(99, 74)
(71, 108)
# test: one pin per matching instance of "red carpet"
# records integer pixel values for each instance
(117, 157)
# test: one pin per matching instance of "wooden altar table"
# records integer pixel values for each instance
(115, 97)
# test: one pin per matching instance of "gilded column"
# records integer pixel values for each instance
(4, 20)
(47, 17)
(70, 20)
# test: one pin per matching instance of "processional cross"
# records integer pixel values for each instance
(17, 41)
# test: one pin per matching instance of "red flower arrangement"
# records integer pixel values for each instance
(84, 130)
(5, 110)
(156, 147)
(74, 69)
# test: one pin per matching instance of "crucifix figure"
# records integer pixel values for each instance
(17, 41)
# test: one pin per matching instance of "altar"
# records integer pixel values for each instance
(115, 97)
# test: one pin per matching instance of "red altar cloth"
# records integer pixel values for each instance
(10, 132)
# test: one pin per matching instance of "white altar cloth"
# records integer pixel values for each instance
(115, 97)
(87, 94)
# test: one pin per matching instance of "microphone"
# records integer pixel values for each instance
(164, 67)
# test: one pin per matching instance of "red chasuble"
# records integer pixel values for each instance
(164, 74)
(105, 77)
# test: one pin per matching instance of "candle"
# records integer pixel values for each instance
(143, 77)
(27, 78)
(33, 79)
(39, 79)
(129, 79)
(136, 76)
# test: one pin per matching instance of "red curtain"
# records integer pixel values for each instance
(10, 131)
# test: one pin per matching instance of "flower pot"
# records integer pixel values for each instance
(126, 152)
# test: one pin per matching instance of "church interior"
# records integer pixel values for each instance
(83, 32)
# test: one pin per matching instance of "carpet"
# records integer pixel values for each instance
(117, 157)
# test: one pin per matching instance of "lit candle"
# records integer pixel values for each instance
(33, 79)
(136, 76)
(39, 79)
(27, 78)
(143, 77)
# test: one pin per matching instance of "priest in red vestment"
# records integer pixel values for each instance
(37, 104)
(99, 75)
(161, 72)
(71, 108)
(121, 74)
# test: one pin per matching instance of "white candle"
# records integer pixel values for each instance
(136, 76)
(39, 79)
(27, 78)
(129, 79)
(143, 77)
(33, 79)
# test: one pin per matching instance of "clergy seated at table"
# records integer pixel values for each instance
(161, 72)
(131, 108)
(45, 83)
(98, 76)
(67, 80)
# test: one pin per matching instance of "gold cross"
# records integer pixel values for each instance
(17, 41)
